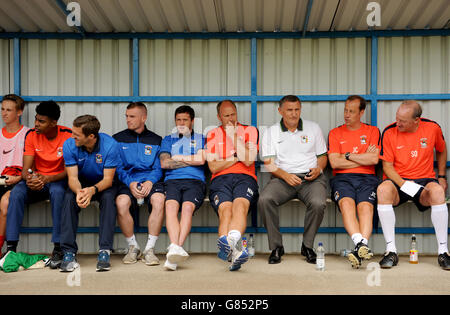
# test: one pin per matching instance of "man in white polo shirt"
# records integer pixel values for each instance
(295, 152)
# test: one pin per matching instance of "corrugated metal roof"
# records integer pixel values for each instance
(221, 15)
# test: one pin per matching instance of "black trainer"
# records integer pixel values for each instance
(444, 261)
(364, 251)
(55, 261)
(389, 260)
(354, 259)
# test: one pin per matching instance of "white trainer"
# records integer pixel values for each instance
(149, 258)
(176, 254)
(169, 266)
(132, 256)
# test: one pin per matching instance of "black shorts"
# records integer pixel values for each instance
(231, 186)
(5, 189)
(359, 187)
(123, 189)
(182, 190)
(404, 197)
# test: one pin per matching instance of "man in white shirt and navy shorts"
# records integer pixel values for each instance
(295, 152)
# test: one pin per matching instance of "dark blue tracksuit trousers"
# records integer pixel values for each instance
(69, 219)
(21, 195)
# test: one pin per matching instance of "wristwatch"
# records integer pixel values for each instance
(96, 189)
(442, 176)
(347, 156)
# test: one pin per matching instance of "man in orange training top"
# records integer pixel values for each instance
(353, 150)
(231, 153)
(407, 149)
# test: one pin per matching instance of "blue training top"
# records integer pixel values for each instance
(176, 144)
(91, 165)
(140, 156)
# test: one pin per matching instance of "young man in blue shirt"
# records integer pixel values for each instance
(91, 159)
(140, 175)
(182, 156)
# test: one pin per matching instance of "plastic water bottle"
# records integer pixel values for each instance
(140, 201)
(30, 172)
(251, 246)
(320, 260)
(244, 243)
(413, 253)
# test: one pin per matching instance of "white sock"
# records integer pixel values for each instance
(439, 217)
(387, 218)
(365, 241)
(131, 241)
(234, 236)
(151, 242)
(356, 238)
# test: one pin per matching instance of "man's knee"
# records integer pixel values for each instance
(123, 203)
(57, 190)
(265, 200)
(436, 193)
(19, 192)
(172, 207)
(386, 192)
(4, 203)
(225, 210)
(317, 204)
(157, 201)
(347, 204)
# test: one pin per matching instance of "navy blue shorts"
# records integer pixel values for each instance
(404, 197)
(182, 190)
(231, 186)
(157, 187)
(359, 187)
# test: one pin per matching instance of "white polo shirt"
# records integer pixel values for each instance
(294, 152)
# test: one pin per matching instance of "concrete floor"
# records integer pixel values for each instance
(205, 274)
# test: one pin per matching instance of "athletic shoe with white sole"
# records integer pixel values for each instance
(169, 266)
(223, 244)
(132, 256)
(103, 261)
(238, 258)
(69, 263)
(176, 254)
(149, 257)
(55, 261)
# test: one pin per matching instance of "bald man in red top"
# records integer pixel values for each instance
(407, 149)
(231, 153)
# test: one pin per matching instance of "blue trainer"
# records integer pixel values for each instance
(224, 248)
(103, 263)
(239, 258)
(69, 263)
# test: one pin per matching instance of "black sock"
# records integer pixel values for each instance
(11, 245)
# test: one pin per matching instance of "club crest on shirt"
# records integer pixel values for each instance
(423, 142)
(59, 152)
(304, 139)
(363, 139)
(148, 150)
(98, 158)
